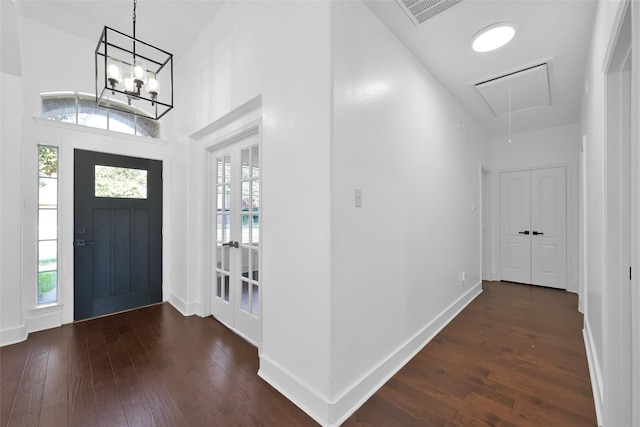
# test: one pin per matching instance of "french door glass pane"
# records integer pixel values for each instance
(225, 258)
(255, 194)
(244, 305)
(226, 203)
(226, 229)
(246, 196)
(219, 170)
(219, 228)
(219, 206)
(246, 225)
(255, 161)
(255, 301)
(255, 229)
(244, 261)
(245, 163)
(255, 265)
(227, 168)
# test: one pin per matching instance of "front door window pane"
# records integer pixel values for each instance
(122, 183)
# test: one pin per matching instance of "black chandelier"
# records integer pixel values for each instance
(133, 76)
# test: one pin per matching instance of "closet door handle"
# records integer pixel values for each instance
(526, 232)
(536, 233)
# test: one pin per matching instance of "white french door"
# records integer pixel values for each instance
(235, 239)
(533, 227)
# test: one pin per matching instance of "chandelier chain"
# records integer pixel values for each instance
(135, 3)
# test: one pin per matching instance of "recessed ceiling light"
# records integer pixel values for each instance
(493, 37)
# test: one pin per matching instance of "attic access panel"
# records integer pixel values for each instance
(419, 11)
(529, 89)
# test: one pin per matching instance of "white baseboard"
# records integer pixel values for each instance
(13, 335)
(594, 371)
(185, 308)
(333, 412)
(304, 397)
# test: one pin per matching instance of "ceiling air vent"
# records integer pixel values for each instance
(421, 10)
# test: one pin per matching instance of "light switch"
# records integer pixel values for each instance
(358, 198)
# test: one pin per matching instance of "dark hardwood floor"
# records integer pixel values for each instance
(515, 356)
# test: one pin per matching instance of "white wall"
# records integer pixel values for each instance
(281, 51)
(21, 135)
(548, 147)
(12, 326)
(635, 212)
(43, 43)
(597, 317)
(396, 260)
(553, 146)
(331, 273)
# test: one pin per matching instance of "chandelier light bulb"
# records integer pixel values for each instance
(128, 84)
(152, 85)
(113, 71)
(139, 70)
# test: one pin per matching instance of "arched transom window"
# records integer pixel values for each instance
(81, 109)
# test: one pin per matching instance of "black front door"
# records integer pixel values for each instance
(118, 233)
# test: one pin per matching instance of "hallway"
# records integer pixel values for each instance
(514, 356)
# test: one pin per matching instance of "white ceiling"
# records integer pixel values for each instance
(168, 24)
(556, 30)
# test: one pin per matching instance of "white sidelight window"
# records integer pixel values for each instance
(47, 224)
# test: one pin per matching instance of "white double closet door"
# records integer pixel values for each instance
(533, 227)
